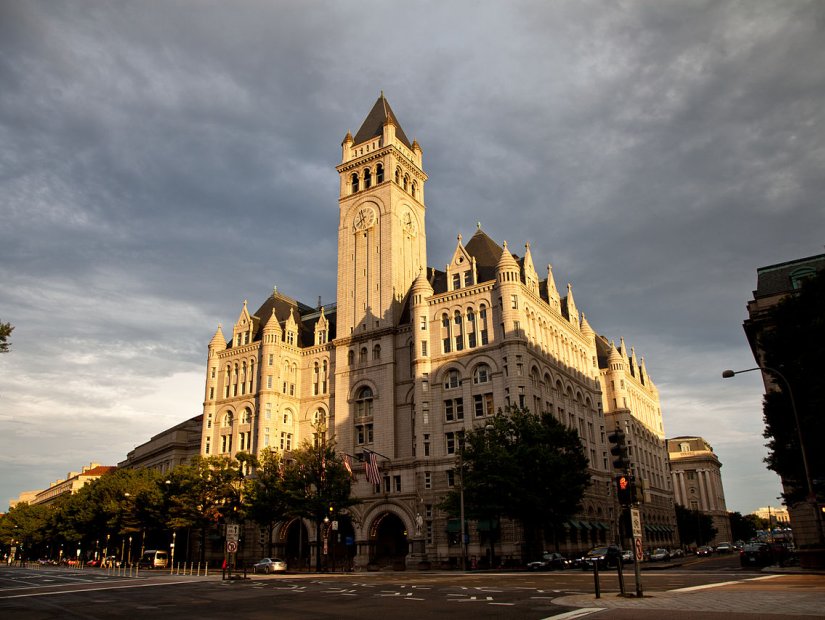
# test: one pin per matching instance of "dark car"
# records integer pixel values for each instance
(704, 551)
(756, 554)
(550, 561)
(606, 557)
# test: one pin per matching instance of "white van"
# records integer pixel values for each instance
(154, 559)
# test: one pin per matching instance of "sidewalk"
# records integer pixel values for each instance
(733, 597)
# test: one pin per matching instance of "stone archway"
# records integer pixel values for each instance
(296, 544)
(388, 541)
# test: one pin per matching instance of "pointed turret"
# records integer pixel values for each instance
(218, 342)
(585, 327)
(508, 265)
(572, 311)
(531, 278)
(273, 326)
(553, 298)
(381, 116)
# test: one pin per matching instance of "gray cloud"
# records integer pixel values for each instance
(166, 161)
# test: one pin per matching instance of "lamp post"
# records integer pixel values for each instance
(727, 374)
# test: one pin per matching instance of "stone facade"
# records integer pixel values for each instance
(72, 483)
(411, 356)
(168, 449)
(697, 481)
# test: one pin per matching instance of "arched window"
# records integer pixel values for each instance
(406, 181)
(350, 358)
(376, 352)
(458, 331)
(414, 188)
(246, 416)
(354, 182)
(319, 417)
(398, 176)
(445, 333)
(379, 173)
(367, 178)
(363, 403)
(362, 356)
(227, 419)
(481, 374)
(451, 380)
(316, 378)
(482, 324)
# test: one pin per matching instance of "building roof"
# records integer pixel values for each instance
(782, 277)
(373, 125)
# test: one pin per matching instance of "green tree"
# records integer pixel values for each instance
(741, 528)
(266, 499)
(204, 493)
(694, 526)
(317, 486)
(25, 527)
(5, 332)
(795, 346)
(513, 447)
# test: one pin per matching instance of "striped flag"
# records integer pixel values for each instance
(371, 468)
(348, 465)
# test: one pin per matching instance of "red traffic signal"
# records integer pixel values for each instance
(626, 490)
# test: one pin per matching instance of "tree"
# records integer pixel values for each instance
(266, 498)
(795, 346)
(203, 494)
(317, 486)
(24, 526)
(514, 446)
(5, 332)
(741, 528)
(694, 526)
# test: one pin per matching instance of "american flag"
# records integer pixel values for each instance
(371, 468)
(348, 465)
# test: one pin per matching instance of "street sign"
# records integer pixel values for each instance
(636, 522)
(233, 531)
(637, 547)
(231, 546)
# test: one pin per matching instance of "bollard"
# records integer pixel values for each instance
(621, 575)
(596, 578)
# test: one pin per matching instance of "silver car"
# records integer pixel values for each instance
(269, 565)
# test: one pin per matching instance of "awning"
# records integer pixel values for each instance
(586, 525)
(602, 526)
(485, 525)
(575, 524)
(453, 526)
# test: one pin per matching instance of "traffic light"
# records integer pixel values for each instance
(619, 450)
(626, 490)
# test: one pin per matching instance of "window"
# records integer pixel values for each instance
(514, 302)
(211, 393)
(269, 382)
(455, 441)
(212, 372)
(454, 409)
(459, 332)
(379, 173)
(396, 483)
(468, 278)
(428, 480)
(362, 355)
(450, 478)
(246, 416)
(363, 403)
(227, 419)
(376, 352)
(482, 323)
(319, 418)
(451, 381)
(268, 412)
(363, 433)
(316, 372)
(483, 404)
(423, 323)
(271, 359)
(208, 446)
(684, 447)
(226, 443)
(367, 178)
(426, 445)
(424, 348)
(456, 281)
(324, 378)
(481, 374)
(445, 333)
(209, 420)
(354, 181)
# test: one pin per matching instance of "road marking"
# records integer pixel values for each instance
(723, 583)
(576, 613)
(139, 585)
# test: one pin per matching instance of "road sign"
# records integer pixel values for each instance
(233, 531)
(231, 546)
(637, 546)
(636, 522)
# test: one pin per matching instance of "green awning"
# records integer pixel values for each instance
(453, 526)
(575, 524)
(601, 526)
(586, 525)
(486, 525)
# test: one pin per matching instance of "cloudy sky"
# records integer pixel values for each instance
(160, 162)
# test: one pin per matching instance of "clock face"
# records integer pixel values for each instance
(408, 224)
(364, 219)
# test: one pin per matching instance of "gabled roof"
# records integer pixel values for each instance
(304, 316)
(373, 125)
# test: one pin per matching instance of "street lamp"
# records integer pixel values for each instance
(727, 374)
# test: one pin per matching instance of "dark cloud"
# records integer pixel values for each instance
(162, 162)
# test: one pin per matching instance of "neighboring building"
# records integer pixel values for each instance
(26, 497)
(73, 482)
(775, 515)
(411, 357)
(168, 449)
(774, 283)
(631, 404)
(697, 481)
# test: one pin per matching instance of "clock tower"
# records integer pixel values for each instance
(381, 234)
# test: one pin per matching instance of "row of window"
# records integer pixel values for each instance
(461, 332)
(365, 179)
(362, 355)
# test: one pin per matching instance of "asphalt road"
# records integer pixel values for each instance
(34, 594)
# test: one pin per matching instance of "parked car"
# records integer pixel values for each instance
(269, 565)
(659, 555)
(154, 558)
(704, 551)
(550, 561)
(756, 554)
(677, 553)
(606, 557)
(724, 547)
(627, 556)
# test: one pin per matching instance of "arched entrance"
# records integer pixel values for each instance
(388, 538)
(340, 548)
(296, 545)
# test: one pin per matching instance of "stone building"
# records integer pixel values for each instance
(168, 449)
(773, 284)
(697, 482)
(410, 357)
(72, 483)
